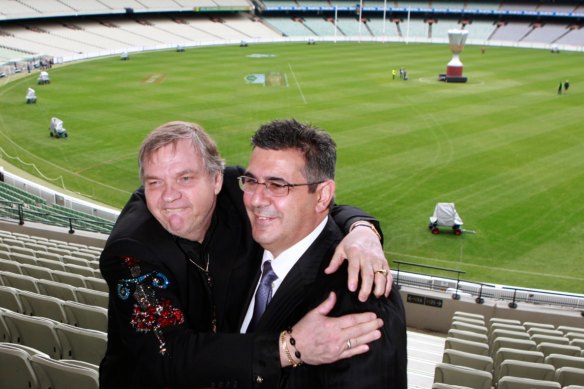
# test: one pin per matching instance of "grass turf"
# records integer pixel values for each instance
(505, 147)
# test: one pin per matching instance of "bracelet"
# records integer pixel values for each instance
(293, 343)
(365, 224)
(285, 347)
(284, 344)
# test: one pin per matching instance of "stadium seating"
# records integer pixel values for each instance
(544, 331)
(81, 344)
(467, 346)
(462, 376)
(85, 316)
(467, 335)
(574, 335)
(461, 358)
(69, 278)
(497, 333)
(96, 283)
(37, 332)
(560, 360)
(569, 376)
(458, 325)
(529, 325)
(92, 297)
(540, 338)
(469, 320)
(476, 316)
(57, 289)
(16, 369)
(10, 266)
(19, 281)
(505, 353)
(36, 304)
(505, 326)
(554, 348)
(55, 374)
(518, 344)
(533, 370)
(439, 385)
(510, 382)
(499, 320)
(37, 272)
(9, 299)
(566, 329)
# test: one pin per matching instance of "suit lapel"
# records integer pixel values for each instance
(293, 297)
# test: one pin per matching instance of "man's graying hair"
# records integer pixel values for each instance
(171, 133)
(318, 148)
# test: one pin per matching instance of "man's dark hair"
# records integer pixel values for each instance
(318, 148)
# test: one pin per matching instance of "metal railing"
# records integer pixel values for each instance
(481, 291)
(22, 213)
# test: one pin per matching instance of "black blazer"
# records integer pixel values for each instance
(305, 286)
(174, 347)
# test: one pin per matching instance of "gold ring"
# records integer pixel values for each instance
(349, 344)
(381, 271)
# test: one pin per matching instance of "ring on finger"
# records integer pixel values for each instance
(349, 345)
(382, 272)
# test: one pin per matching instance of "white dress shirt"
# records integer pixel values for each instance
(282, 265)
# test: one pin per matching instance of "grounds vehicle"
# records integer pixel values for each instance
(445, 215)
(44, 78)
(56, 128)
(31, 97)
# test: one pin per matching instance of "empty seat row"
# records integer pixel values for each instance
(83, 257)
(35, 256)
(469, 328)
(63, 311)
(514, 324)
(29, 282)
(62, 291)
(40, 265)
(32, 247)
(514, 375)
(26, 367)
(58, 340)
(64, 263)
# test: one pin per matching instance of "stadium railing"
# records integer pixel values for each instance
(481, 291)
(25, 213)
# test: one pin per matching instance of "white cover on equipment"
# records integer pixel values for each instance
(31, 94)
(445, 215)
(57, 125)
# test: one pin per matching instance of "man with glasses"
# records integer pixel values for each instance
(288, 190)
(179, 263)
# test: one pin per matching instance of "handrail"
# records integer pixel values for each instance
(22, 213)
(455, 296)
(481, 290)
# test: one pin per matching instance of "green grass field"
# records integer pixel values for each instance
(504, 147)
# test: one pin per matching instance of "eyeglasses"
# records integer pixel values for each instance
(276, 188)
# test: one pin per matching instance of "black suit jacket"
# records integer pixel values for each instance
(162, 308)
(305, 286)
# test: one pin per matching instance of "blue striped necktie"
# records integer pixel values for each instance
(263, 294)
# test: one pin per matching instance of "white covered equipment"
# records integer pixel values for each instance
(56, 128)
(445, 215)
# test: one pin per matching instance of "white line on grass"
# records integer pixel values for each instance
(297, 84)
